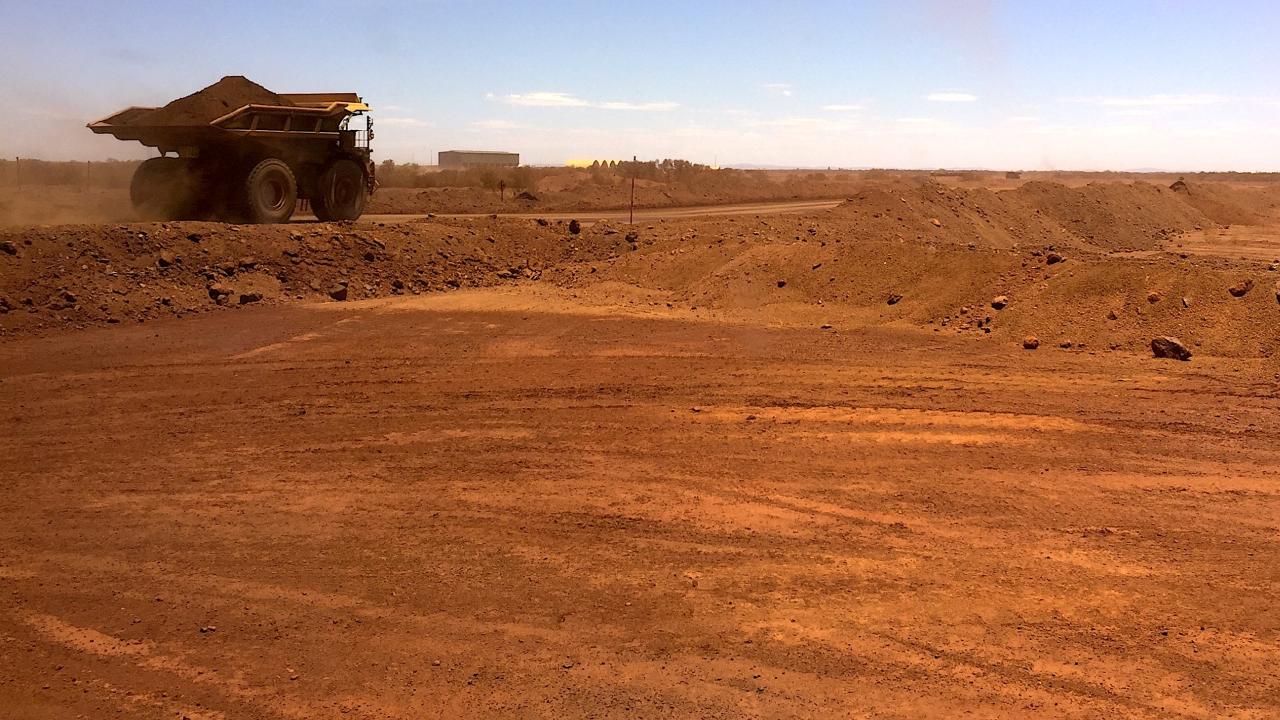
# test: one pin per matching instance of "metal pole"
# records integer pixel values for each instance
(631, 220)
(17, 170)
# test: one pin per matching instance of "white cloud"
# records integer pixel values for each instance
(852, 107)
(561, 99)
(951, 97)
(544, 99)
(783, 89)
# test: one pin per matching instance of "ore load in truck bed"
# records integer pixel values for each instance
(203, 107)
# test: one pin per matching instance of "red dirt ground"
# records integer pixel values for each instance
(505, 503)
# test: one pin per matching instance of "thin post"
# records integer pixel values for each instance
(631, 220)
(17, 171)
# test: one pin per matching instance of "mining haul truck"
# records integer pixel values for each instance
(238, 153)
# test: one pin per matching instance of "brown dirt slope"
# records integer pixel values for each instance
(937, 213)
(829, 269)
(79, 275)
(1116, 216)
(1228, 205)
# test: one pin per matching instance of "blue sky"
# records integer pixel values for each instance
(925, 83)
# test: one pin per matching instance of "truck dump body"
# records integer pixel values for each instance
(234, 105)
(222, 132)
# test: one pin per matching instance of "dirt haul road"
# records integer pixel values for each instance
(505, 503)
(641, 215)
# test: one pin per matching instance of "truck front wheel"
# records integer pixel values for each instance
(341, 192)
(270, 192)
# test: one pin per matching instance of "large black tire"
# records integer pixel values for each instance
(341, 192)
(270, 192)
(167, 188)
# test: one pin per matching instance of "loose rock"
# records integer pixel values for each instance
(1000, 302)
(338, 292)
(575, 227)
(250, 297)
(1241, 288)
(1170, 348)
(1030, 342)
(894, 299)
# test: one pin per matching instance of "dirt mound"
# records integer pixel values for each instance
(202, 107)
(847, 268)
(79, 275)
(1114, 216)
(1226, 205)
(932, 212)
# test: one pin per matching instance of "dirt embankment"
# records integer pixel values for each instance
(1135, 216)
(1231, 205)
(833, 275)
(919, 254)
(80, 275)
(611, 194)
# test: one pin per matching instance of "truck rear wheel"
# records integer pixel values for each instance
(341, 192)
(166, 188)
(270, 192)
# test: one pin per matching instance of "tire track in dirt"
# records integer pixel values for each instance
(531, 500)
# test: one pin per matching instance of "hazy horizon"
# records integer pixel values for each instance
(915, 85)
